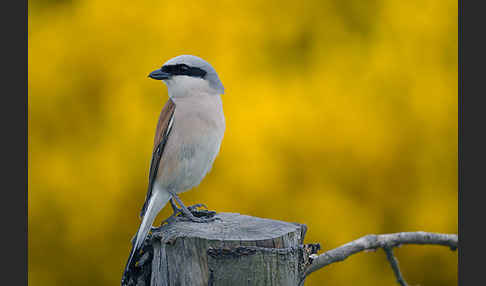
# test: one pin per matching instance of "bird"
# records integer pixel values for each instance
(187, 139)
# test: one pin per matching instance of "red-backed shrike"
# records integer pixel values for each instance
(187, 139)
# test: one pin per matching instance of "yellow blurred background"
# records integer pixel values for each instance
(340, 114)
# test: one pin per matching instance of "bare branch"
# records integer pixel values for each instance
(394, 264)
(385, 241)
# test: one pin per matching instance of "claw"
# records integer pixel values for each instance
(188, 213)
(196, 206)
(190, 217)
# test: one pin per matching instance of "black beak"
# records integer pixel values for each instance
(159, 75)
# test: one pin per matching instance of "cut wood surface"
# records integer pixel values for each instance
(233, 250)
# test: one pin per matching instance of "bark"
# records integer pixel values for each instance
(233, 250)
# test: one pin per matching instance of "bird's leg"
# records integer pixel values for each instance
(187, 212)
(192, 208)
(174, 207)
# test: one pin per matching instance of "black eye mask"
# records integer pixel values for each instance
(182, 69)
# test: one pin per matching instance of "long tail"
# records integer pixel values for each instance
(158, 200)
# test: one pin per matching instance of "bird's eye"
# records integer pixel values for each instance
(184, 67)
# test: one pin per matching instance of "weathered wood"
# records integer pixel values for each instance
(233, 250)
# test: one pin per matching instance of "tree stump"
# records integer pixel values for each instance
(233, 250)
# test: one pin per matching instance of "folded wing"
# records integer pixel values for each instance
(162, 133)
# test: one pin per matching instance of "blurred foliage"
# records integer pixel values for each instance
(340, 114)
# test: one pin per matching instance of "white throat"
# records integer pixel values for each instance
(185, 86)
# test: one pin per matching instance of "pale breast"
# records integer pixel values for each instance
(193, 144)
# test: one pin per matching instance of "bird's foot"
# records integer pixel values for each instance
(194, 208)
(192, 213)
(200, 219)
(178, 215)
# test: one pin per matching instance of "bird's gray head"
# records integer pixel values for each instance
(187, 73)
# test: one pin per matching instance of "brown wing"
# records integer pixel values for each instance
(162, 132)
